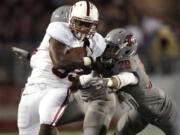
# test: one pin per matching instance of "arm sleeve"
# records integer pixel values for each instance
(126, 78)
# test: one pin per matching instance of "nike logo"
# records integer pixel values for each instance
(25, 94)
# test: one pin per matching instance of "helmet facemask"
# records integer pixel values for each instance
(83, 19)
(82, 28)
(110, 53)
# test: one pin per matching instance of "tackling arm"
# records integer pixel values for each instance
(115, 82)
(121, 80)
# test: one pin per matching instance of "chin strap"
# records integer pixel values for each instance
(79, 36)
(82, 36)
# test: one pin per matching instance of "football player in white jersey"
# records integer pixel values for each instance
(64, 48)
(94, 107)
(127, 74)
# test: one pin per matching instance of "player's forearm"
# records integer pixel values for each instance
(68, 59)
(76, 84)
(81, 81)
(70, 63)
(121, 80)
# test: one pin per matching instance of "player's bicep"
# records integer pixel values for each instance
(57, 51)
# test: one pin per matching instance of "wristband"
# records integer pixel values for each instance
(119, 85)
(87, 61)
(110, 82)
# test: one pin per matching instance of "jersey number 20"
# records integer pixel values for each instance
(125, 64)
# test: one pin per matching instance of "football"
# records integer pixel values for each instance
(78, 51)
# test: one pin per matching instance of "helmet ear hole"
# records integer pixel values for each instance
(108, 46)
(127, 52)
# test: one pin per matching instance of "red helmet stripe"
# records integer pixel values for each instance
(88, 8)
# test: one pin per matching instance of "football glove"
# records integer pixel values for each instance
(21, 53)
(99, 83)
(84, 79)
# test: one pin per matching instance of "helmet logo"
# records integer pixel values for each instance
(129, 39)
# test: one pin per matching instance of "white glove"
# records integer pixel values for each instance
(84, 79)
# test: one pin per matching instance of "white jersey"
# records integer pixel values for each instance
(42, 66)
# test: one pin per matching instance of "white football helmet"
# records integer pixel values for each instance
(83, 19)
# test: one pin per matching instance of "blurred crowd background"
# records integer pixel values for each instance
(155, 23)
